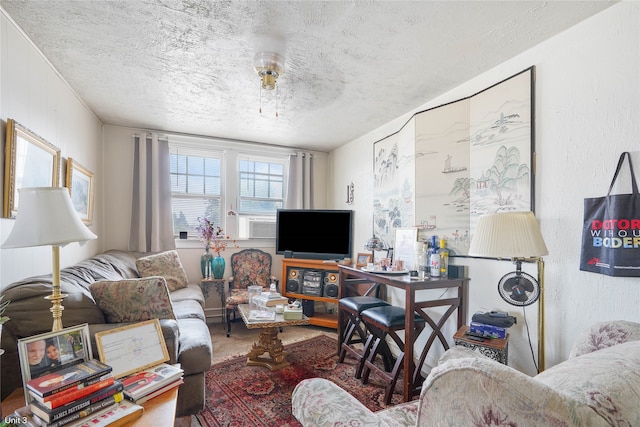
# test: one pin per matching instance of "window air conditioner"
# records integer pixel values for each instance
(262, 229)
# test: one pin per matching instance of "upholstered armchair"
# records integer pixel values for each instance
(249, 267)
(597, 386)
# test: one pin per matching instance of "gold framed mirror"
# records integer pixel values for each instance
(30, 161)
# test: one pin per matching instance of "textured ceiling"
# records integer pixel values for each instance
(350, 66)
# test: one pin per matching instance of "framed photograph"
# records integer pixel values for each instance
(29, 161)
(79, 181)
(48, 352)
(363, 259)
(132, 348)
(404, 246)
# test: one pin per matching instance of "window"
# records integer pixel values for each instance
(217, 178)
(196, 188)
(261, 187)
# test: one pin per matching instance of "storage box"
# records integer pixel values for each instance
(292, 313)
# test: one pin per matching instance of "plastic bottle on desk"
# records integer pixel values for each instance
(421, 260)
(434, 259)
(444, 260)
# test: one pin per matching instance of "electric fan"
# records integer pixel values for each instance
(519, 288)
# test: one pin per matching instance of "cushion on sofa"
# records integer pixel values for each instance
(189, 293)
(188, 310)
(166, 264)
(133, 300)
(605, 380)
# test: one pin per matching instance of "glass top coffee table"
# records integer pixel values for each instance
(268, 341)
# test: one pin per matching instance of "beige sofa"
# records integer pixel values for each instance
(183, 321)
(598, 386)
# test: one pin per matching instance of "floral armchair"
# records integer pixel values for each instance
(249, 267)
(597, 386)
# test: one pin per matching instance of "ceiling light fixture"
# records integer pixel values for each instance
(269, 66)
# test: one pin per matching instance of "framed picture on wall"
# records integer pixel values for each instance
(30, 161)
(80, 184)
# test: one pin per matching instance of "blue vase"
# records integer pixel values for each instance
(217, 267)
(205, 263)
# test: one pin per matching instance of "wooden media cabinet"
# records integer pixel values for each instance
(293, 272)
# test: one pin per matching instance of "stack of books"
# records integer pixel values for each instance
(149, 383)
(270, 299)
(492, 324)
(74, 392)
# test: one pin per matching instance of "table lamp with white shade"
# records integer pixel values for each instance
(46, 216)
(516, 236)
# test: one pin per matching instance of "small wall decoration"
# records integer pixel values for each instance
(30, 161)
(80, 184)
(450, 164)
(350, 194)
(51, 351)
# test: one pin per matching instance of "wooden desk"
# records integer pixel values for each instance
(157, 411)
(354, 281)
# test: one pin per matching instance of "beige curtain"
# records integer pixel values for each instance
(300, 185)
(151, 223)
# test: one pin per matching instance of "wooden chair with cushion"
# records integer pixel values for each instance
(249, 267)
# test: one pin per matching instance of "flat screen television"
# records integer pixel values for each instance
(314, 234)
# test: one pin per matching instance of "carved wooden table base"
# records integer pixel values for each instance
(268, 343)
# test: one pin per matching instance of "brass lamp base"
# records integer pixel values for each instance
(56, 308)
(56, 296)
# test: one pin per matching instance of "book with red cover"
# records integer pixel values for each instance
(67, 377)
(149, 380)
(67, 396)
(49, 415)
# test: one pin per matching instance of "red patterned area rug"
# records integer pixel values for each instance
(241, 395)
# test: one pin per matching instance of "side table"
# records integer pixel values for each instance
(495, 348)
(161, 410)
(205, 285)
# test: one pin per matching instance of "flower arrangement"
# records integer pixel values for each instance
(213, 236)
(3, 307)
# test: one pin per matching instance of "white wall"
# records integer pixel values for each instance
(587, 109)
(33, 94)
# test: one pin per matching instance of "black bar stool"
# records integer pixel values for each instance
(383, 321)
(355, 331)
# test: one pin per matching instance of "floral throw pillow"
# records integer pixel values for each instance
(166, 264)
(133, 300)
